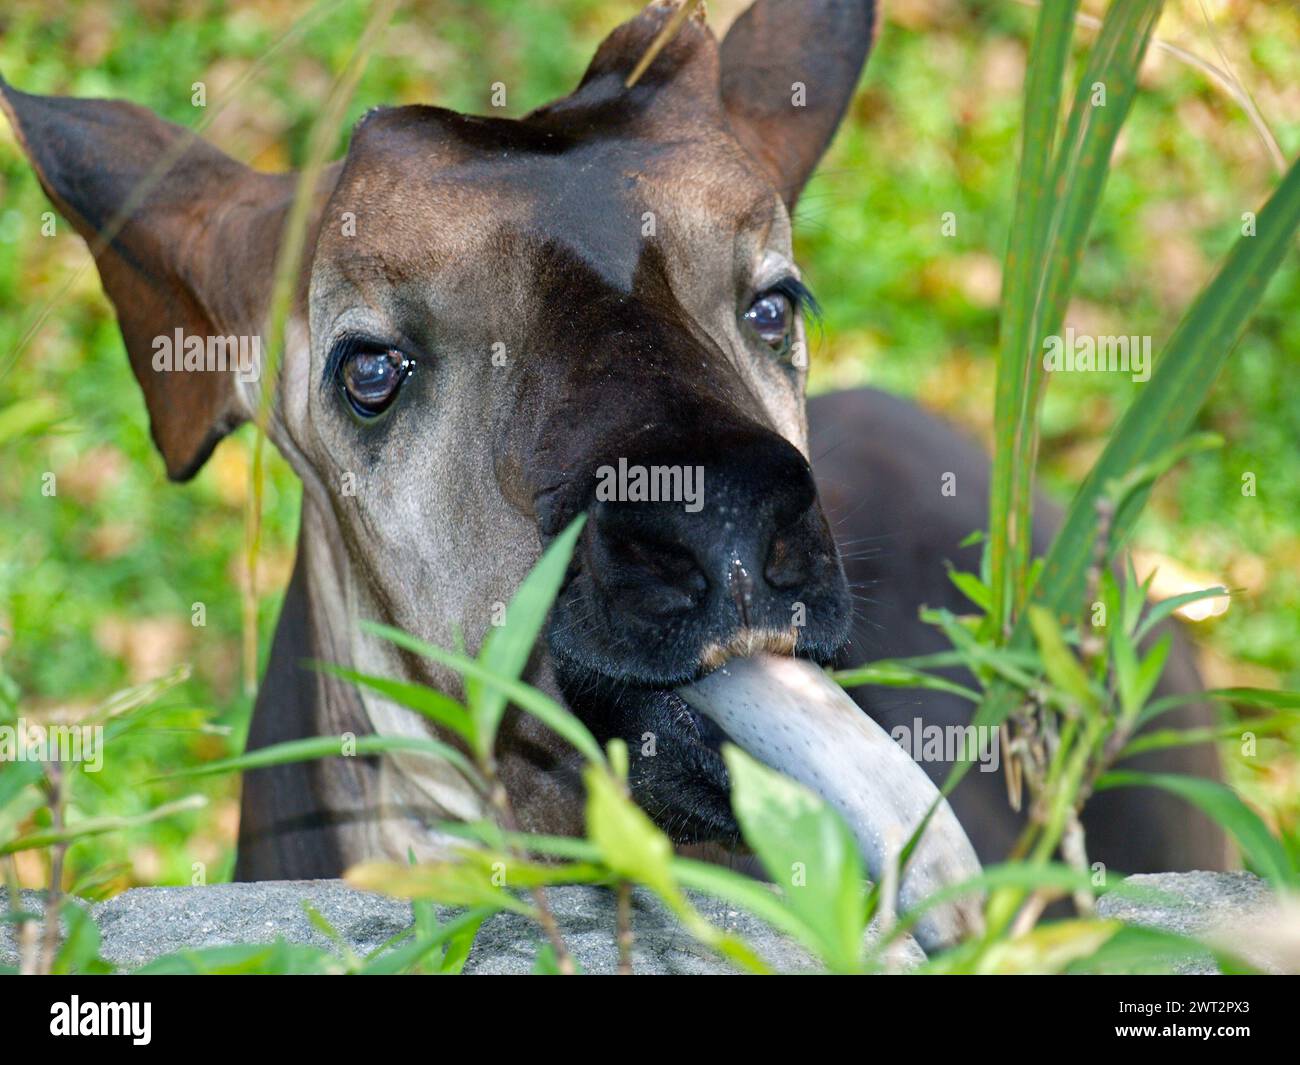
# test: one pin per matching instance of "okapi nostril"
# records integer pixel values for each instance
(643, 576)
(786, 567)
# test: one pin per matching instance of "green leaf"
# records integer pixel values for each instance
(743, 891)
(95, 826)
(945, 660)
(437, 707)
(1008, 664)
(526, 697)
(461, 942)
(1023, 267)
(1166, 405)
(1137, 680)
(1136, 950)
(1034, 876)
(1134, 597)
(79, 951)
(506, 650)
(454, 882)
(1151, 670)
(1162, 739)
(1158, 418)
(19, 807)
(1124, 656)
(1222, 805)
(807, 851)
(971, 587)
(1063, 669)
(1279, 700)
(891, 674)
(634, 849)
(1120, 490)
(747, 893)
(628, 841)
(1166, 607)
(1048, 948)
(278, 958)
(456, 937)
(1266, 697)
(1160, 415)
(16, 778)
(316, 747)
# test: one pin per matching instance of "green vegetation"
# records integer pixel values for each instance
(99, 584)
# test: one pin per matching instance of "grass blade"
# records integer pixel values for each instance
(317, 747)
(1221, 804)
(1061, 228)
(525, 696)
(506, 650)
(1044, 78)
(1159, 417)
(439, 708)
(1163, 411)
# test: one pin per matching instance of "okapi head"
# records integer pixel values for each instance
(503, 324)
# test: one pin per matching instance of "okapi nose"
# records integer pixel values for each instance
(744, 544)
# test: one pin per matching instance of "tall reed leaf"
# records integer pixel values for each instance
(1164, 409)
(1101, 104)
(284, 288)
(1161, 414)
(1219, 802)
(1156, 421)
(1047, 56)
(506, 650)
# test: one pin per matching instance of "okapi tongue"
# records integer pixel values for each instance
(790, 714)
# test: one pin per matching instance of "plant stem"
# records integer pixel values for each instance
(661, 40)
(50, 936)
(545, 917)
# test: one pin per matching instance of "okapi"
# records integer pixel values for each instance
(628, 252)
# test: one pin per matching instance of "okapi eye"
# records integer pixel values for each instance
(771, 316)
(370, 378)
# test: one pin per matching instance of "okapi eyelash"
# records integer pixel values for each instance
(343, 347)
(799, 295)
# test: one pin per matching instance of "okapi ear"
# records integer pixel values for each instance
(184, 237)
(685, 69)
(789, 68)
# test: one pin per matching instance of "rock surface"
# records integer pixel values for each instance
(143, 923)
(1227, 909)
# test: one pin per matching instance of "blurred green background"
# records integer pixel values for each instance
(98, 583)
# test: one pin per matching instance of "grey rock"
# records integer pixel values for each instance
(142, 924)
(587, 917)
(1200, 904)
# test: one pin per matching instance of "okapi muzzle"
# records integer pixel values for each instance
(704, 537)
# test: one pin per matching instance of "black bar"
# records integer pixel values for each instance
(392, 1017)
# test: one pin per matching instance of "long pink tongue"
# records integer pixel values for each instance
(789, 714)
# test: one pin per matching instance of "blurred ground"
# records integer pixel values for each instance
(98, 584)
